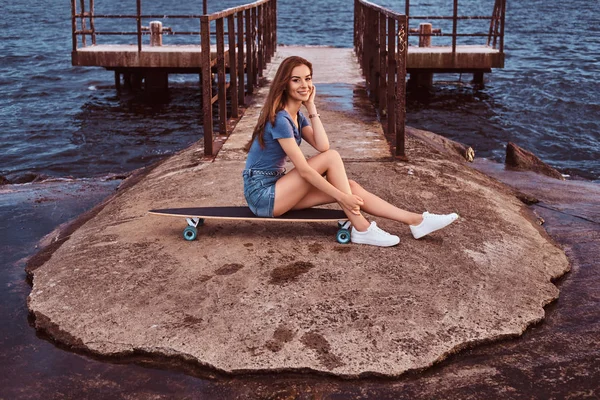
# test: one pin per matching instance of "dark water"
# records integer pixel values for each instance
(64, 121)
(68, 123)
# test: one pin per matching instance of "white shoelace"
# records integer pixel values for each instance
(378, 229)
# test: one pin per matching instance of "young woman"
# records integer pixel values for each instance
(321, 179)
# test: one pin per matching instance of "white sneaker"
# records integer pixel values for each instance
(374, 236)
(431, 223)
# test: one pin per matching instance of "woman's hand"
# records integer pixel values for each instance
(352, 203)
(311, 98)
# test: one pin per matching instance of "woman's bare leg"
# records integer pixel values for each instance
(375, 205)
(294, 192)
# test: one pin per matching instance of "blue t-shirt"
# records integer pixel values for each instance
(272, 155)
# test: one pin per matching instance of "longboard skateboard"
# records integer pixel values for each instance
(196, 217)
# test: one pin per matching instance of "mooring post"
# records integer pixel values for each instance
(156, 81)
(156, 31)
(425, 29)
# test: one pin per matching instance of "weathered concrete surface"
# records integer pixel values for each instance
(466, 57)
(270, 296)
(128, 56)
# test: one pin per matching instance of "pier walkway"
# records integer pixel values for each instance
(253, 296)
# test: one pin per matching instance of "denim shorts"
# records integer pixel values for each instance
(259, 189)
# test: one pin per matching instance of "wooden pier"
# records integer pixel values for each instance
(381, 43)
(232, 48)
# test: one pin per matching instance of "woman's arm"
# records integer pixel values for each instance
(347, 200)
(315, 133)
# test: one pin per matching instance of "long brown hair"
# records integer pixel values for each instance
(277, 97)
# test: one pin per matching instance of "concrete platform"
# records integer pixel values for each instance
(267, 297)
(440, 58)
(127, 56)
(189, 56)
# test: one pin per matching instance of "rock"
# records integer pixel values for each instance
(28, 177)
(526, 198)
(523, 160)
(442, 144)
(3, 181)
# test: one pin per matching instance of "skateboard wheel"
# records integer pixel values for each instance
(190, 233)
(343, 236)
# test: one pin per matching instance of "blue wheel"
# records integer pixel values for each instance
(343, 236)
(190, 233)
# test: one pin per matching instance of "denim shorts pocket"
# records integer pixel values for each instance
(259, 191)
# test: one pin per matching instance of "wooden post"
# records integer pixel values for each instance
(83, 40)
(92, 22)
(249, 50)
(156, 82)
(274, 26)
(207, 121)
(382, 89)
(139, 24)
(222, 88)
(240, 44)
(156, 31)
(401, 87)
(118, 80)
(376, 56)
(478, 80)
(255, 48)
(233, 87)
(391, 84)
(259, 38)
(502, 18)
(454, 27)
(74, 24)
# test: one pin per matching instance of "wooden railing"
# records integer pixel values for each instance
(380, 43)
(252, 40)
(249, 32)
(495, 35)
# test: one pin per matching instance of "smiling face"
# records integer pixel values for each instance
(300, 84)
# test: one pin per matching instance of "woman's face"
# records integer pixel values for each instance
(300, 84)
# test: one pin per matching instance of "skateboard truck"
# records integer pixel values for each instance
(195, 222)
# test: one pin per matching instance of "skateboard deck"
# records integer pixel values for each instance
(196, 217)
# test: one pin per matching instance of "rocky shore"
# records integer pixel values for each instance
(276, 297)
